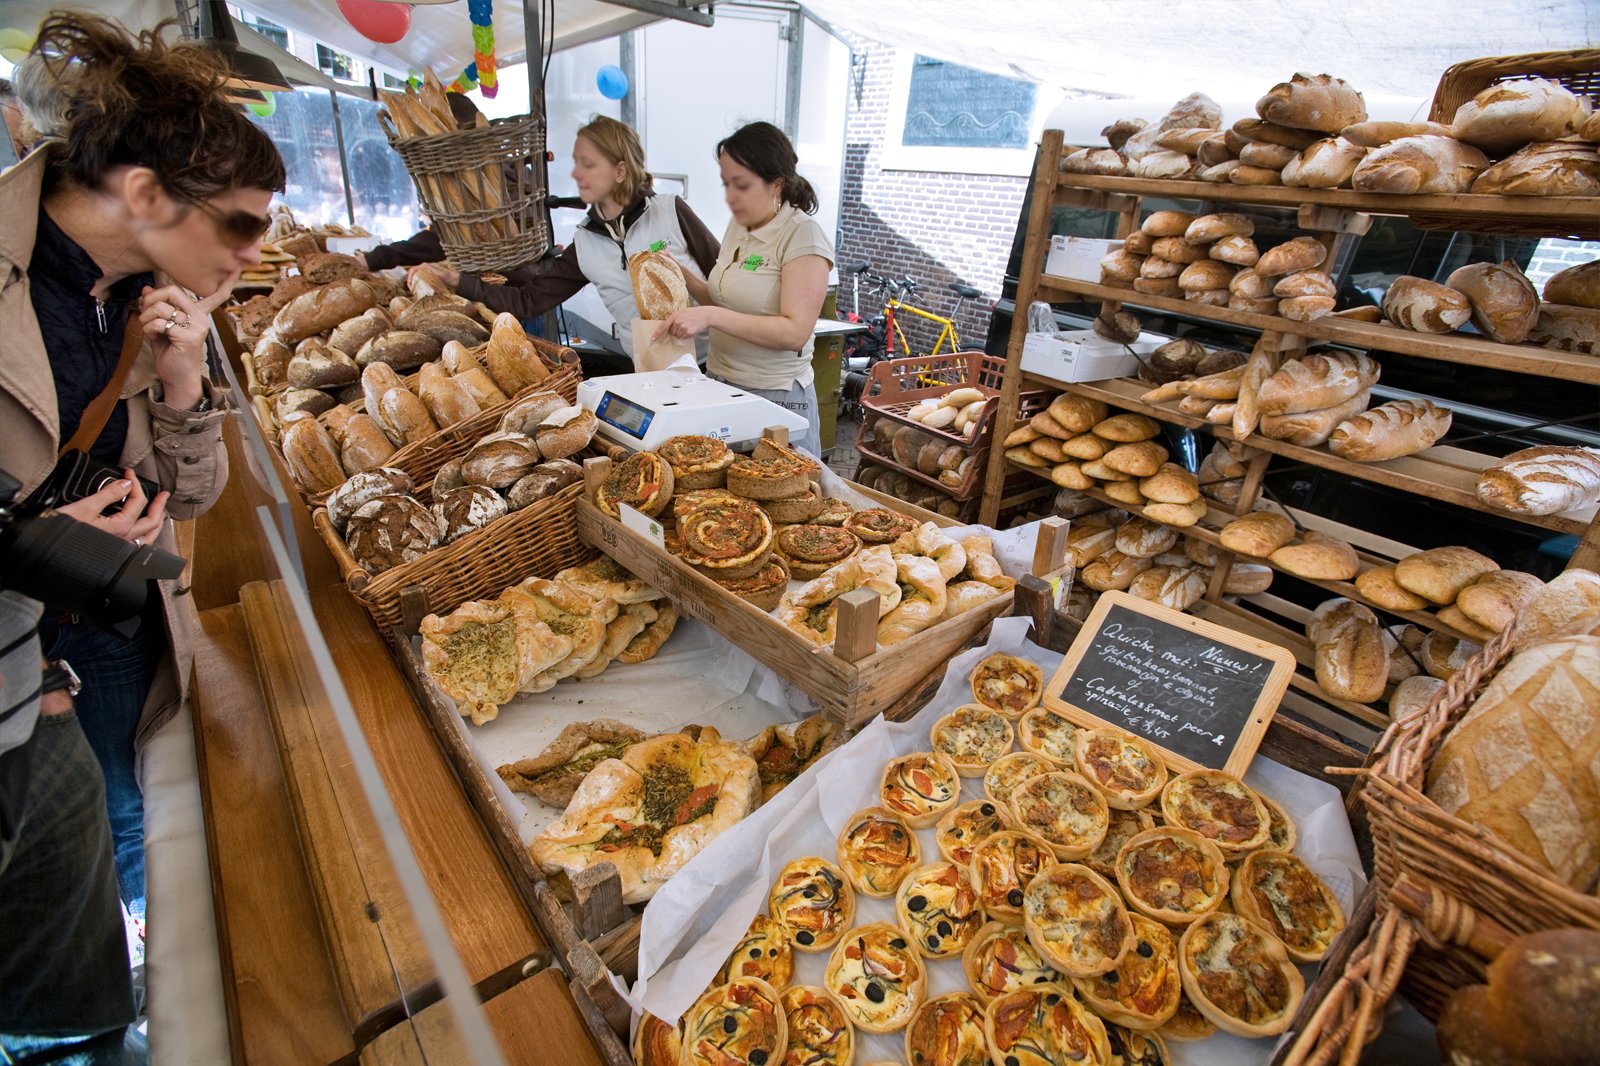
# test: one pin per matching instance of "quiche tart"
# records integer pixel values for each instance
(1285, 835)
(762, 589)
(876, 851)
(1001, 959)
(877, 976)
(1077, 920)
(1063, 810)
(963, 827)
(1002, 867)
(814, 902)
(819, 1032)
(1126, 770)
(697, 462)
(1043, 1026)
(764, 952)
(1009, 771)
(741, 1021)
(1124, 825)
(879, 525)
(811, 550)
(1008, 684)
(1188, 1024)
(783, 752)
(920, 787)
(1281, 894)
(1135, 1047)
(948, 1031)
(643, 481)
(1048, 735)
(726, 540)
(656, 1043)
(1143, 991)
(972, 737)
(1173, 875)
(938, 909)
(1218, 806)
(1239, 976)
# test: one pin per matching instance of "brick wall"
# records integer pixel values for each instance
(1555, 255)
(936, 228)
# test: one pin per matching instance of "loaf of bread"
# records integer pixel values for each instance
(1145, 539)
(446, 399)
(1070, 475)
(1453, 617)
(1258, 534)
(510, 357)
(407, 416)
(1569, 605)
(466, 510)
(1567, 328)
(1548, 168)
(1378, 586)
(1328, 164)
(1495, 600)
(321, 309)
(1139, 243)
(1299, 253)
(1124, 492)
(1425, 306)
(1414, 165)
(1522, 764)
(1312, 102)
(1214, 149)
(1306, 308)
(1412, 695)
(1164, 165)
(1443, 655)
(1126, 427)
(362, 488)
(1077, 414)
(1509, 114)
(377, 379)
(1252, 284)
(1175, 359)
(1155, 268)
(390, 530)
(1179, 515)
(1388, 431)
(1311, 428)
(482, 386)
(1185, 141)
(1305, 283)
(1577, 286)
(1207, 274)
(1114, 571)
(1544, 480)
(1378, 134)
(1246, 174)
(1170, 483)
(1089, 538)
(445, 325)
(362, 444)
(1120, 267)
(1247, 579)
(567, 431)
(1318, 557)
(349, 335)
(311, 455)
(1537, 1007)
(321, 367)
(1167, 287)
(1220, 172)
(1504, 303)
(1178, 249)
(1166, 224)
(1349, 657)
(1317, 381)
(1118, 132)
(1208, 228)
(301, 402)
(1094, 161)
(658, 288)
(1240, 251)
(1086, 447)
(1139, 459)
(402, 349)
(1439, 574)
(1175, 587)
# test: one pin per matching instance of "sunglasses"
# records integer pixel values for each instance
(238, 228)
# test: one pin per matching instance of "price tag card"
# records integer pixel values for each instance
(642, 524)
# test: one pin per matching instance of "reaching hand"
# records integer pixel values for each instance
(688, 322)
(176, 324)
(133, 522)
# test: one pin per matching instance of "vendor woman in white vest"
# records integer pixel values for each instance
(769, 280)
(625, 216)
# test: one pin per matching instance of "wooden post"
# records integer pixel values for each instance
(595, 471)
(413, 609)
(596, 899)
(1032, 597)
(776, 434)
(856, 625)
(1050, 549)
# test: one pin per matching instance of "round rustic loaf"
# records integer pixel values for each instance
(390, 530)
(1504, 305)
(1425, 306)
(499, 460)
(466, 510)
(361, 489)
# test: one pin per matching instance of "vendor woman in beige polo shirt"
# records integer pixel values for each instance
(769, 280)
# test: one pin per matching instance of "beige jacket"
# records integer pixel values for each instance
(181, 451)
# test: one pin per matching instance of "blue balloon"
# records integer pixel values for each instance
(612, 82)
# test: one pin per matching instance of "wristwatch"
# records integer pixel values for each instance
(58, 675)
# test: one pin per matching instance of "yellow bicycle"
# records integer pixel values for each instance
(897, 295)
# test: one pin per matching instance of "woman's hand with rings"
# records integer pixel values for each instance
(176, 325)
(133, 521)
(688, 322)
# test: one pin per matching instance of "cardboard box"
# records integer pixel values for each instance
(1081, 355)
(1078, 257)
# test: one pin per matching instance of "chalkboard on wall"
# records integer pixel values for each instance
(1201, 693)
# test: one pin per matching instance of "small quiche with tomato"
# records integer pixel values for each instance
(939, 909)
(764, 952)
(878, 977)
(819, 1032)
(741, 1021)
(1008, 684)
(920, 787)
(1044, 1026)
(964, 827)
(876, 850)
(812, 900)
(948, 1031)
(1000, 959)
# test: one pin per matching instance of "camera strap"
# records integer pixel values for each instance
(98, 413)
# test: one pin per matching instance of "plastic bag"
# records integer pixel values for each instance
(1041, 318)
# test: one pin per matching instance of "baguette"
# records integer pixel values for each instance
(1261, 365)
(1317, 381)
(1378, 134)
(1399, 427)
(1544, 480)
(1311, 428)
(1246, 130)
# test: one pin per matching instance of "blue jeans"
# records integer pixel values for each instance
(116, 675)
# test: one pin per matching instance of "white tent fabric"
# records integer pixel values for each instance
(1167, 48)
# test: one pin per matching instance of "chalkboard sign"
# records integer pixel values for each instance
(951, 106)
(1201, 693)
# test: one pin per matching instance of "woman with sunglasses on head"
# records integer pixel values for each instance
(117, 239)
(770, 279)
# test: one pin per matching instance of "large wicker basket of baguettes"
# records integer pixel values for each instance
(1449, 892)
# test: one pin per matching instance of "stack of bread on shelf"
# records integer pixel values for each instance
(1503, 305)
(525, 460)
(937, 437)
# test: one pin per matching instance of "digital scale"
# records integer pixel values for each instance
(639, 411)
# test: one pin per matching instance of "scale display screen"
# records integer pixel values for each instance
(624, 414)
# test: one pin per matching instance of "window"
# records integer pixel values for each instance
(951, 106)
(334, 64)
(270, 30)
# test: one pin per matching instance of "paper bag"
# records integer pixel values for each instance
(656, 355)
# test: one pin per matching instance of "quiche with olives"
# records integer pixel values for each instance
(1281, 894)
(1001, 959)
(1219, 807)
(1044, 1026)
(876, 850)
(1126, 770)
(878, 977)
(1063, 810)
(1239, 976)
(813, 901)
(963, 827)
(972, 737)
(1002, 866)
(764, 952)
(948, 1031)
(1077, 920)
(938, 909)
(920, 787)
(819, 1033)
(1143, 991)
(1048, 735)
(741, 1021)
(1009, 771)
(1008, 684)
(1173, 875)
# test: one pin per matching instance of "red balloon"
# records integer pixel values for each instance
(377, 20)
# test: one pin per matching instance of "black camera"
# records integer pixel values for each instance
(72, 566)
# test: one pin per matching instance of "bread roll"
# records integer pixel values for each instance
(1265, 155)
(1207, 274)
(364, 446)
(1120, 267)
(407, 415)
(1378, 134)
(1240, 251)
(1509, 114)
(1564, 607)
(1175, 587)
(658, 288)
(1124, 492)
(1312, 102)
(1399, 427)
(1139, 459)
(1257, 534)
(1453, 617)
(1167, 287)
(1155, 268)
(446, 399)
(1349, 657)
(1425, 306)
(1439, 574)
(1521, 762)
(1318, 557)
(1299, 253)
(1544, 480)
(1567, 329)
(1178, 250)
(1125, 428)
(1495, 600)
(1503, 302)
(1180, 515)
(311, 456)
(1170, 484)
(1114, 571)
(1317, 381)
(1328, 164)
(1412, 695)
(1077, 414)
(1415, 165)
(1245, 174)
(1166, 224)
(1577, 286)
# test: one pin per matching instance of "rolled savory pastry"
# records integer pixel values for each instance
(1239, 976)
(1063, 810)
(1219, 807)
(1173, 875)
(876, 851)
(697, 462)
(762, 589)
(764, 952)
(972, 737)
(1043, 1025)
(919, 787)
(811, 550)
(948, 1031)
(1126, 769)
(741, 1021)
(1009, 771)
(877, 977)
(1077, 920)
(1143, 991)
(642, 481)
(801, 507)
(683, 503)
(814, 902)
(811, 610)
(833, 513)
(819, 1032)
(878, 525)
(938, 909)
(770, 478)
(1008, 684)
(965, 827)
(1000, 959)
(726, 540)
(1122, 827)
(1048, 735)
(1003, 865)
(657, 1043)
(1282, 895)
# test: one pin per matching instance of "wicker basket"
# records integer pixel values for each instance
(1578, 70)
(485, 201)
(1447, 893)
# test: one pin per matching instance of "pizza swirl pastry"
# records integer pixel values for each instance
(741, 1021)
(697, 462)
(1143, 991)
(877, 976)
(1002, 867)
(814, 902)
(764, 952)
(1063, 810)
(879, 525)
(833, 513)
(1282, 895)
(763, 589)
(1173, 875)
(656, 1043)
(801, 507)
(964, 827)
(1077, 920)
(684, 503)
(1123, 827)
(1239, 976)
(1048, 735)
(876, 851)
(1009, 771)
(1000, 959)
(771, 474)
(1219, 807)
(642, 481)
(1126, 770)
(1044, 1026)
(812, 550)
(726, 540)
(938, 909)
(972, 737)
(1009, 684)
(819, 1032)
(919, 787)
(948, 1031)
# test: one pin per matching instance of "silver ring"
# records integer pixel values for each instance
(173, 318)
(137, 543)
(166, 325)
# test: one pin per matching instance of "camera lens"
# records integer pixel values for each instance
(72, 565)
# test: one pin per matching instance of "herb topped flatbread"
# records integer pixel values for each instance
(555, 773)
